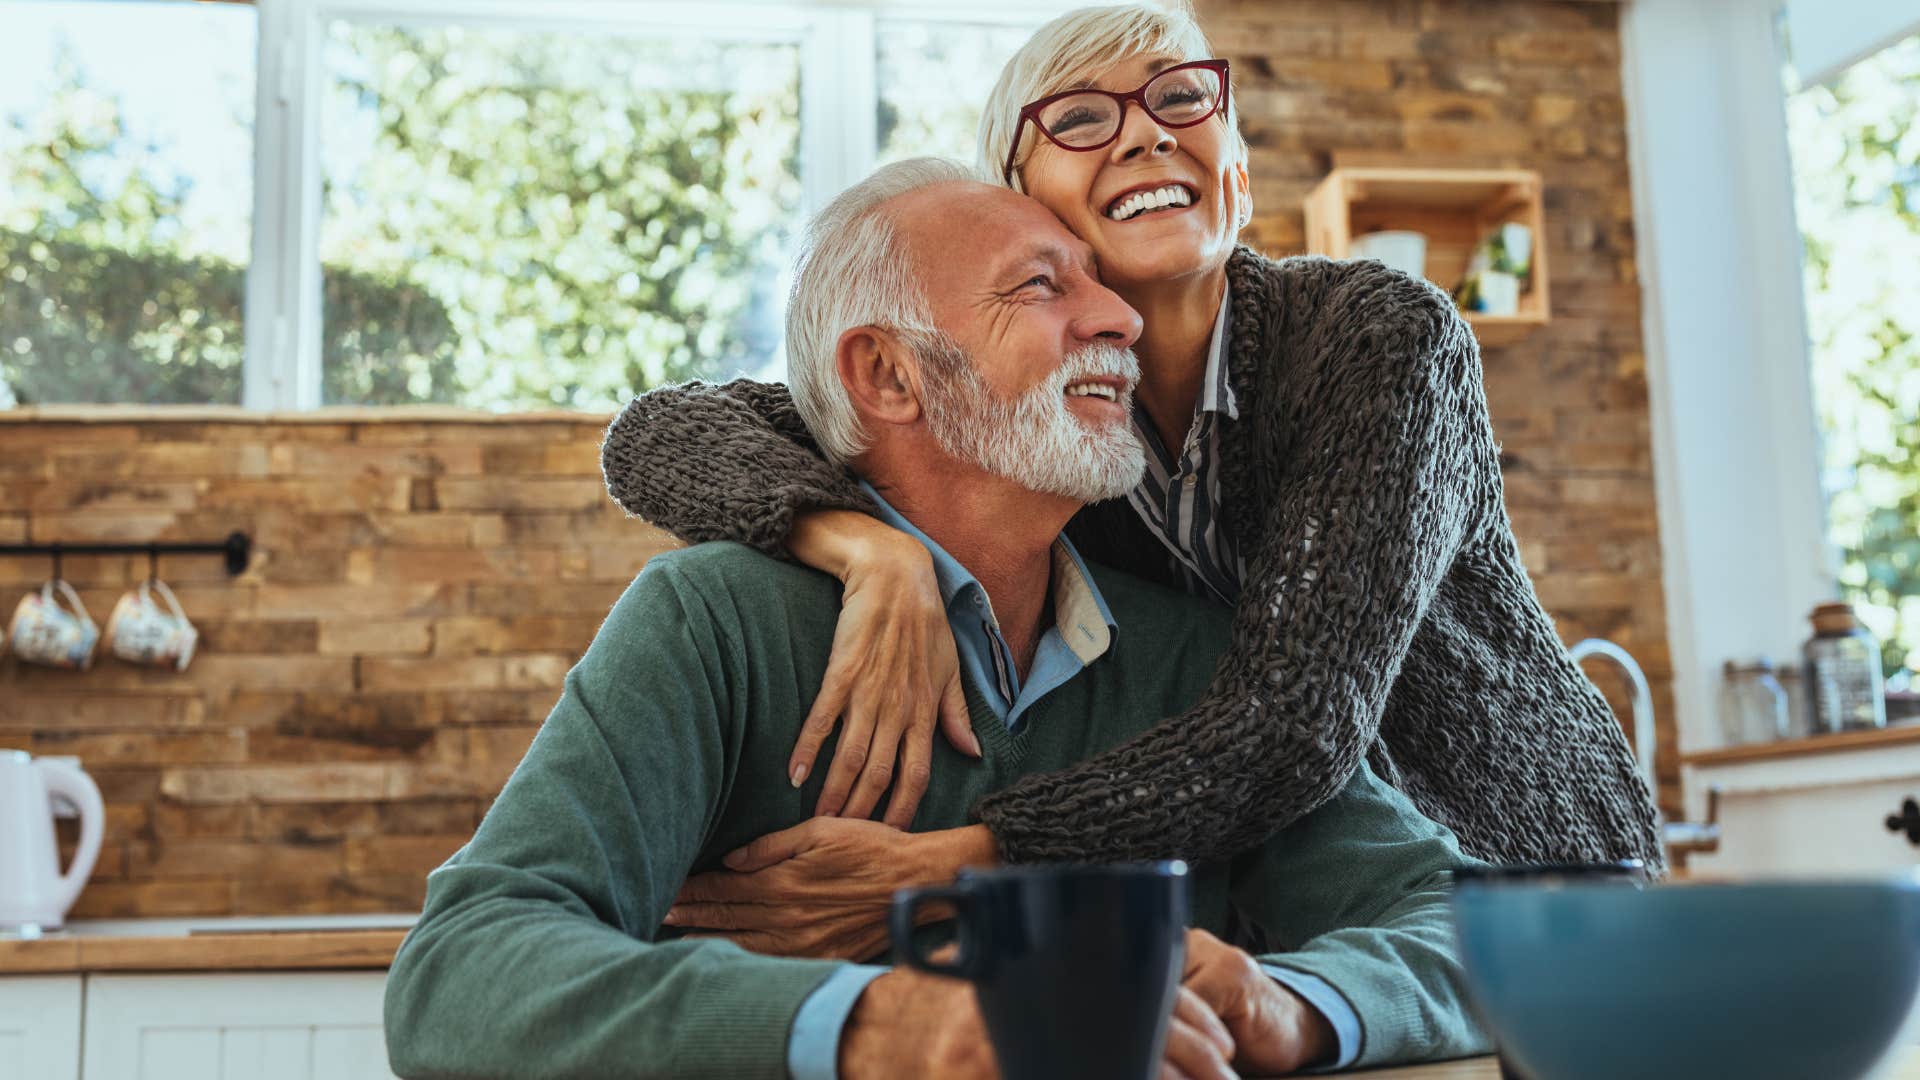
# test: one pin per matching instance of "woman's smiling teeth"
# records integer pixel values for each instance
(1100, 390)
(1142, 201)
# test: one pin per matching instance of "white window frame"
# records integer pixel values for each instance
(838, 109)
(1737, 450)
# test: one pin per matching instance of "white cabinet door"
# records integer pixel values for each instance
(1809, 813)
(1837, 830)
(40, 1025)
(308, 1026)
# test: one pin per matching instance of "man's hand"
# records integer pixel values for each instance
(907, 1023)
(1274, 1030)
(824, 887)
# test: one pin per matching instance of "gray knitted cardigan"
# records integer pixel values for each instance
(1384, 612)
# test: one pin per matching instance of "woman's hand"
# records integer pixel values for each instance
(892, 675)
(824, 887)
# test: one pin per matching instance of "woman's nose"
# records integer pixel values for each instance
(1140, 135)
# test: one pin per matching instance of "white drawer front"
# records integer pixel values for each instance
(319, 1026)
(40, 1025)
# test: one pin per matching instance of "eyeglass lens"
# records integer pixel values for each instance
(1178, 97)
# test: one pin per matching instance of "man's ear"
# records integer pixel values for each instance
(880, 374)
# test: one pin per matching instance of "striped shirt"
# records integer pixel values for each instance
(1179, 497)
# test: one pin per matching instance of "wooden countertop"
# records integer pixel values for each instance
(305, 950)
(1480, 1068)
(1487, 1068)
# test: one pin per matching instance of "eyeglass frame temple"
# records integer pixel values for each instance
(1136, 95)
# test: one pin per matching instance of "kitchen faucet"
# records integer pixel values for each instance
(1681, 838)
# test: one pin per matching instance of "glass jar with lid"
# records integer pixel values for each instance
(1793, 679)
(1756, 705)
(1845, 686)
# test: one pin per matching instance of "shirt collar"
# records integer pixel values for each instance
(1080, 613)
(1216, 394)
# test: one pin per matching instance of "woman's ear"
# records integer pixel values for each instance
(1243, 188)
(879, 374)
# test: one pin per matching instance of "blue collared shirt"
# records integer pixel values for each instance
(1082, 631)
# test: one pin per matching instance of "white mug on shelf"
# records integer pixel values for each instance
(1402, 250)
(1499, 293)
(46, 633)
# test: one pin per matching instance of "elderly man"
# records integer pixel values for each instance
(989, 403)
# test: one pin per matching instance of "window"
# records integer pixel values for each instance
(527, 219)
(1856, 161)
(124, 194)
(933, 80)
(465, 202)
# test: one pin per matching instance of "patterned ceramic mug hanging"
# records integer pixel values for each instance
(140, 631)
(46, 633)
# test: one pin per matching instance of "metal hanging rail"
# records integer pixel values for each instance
(238, 549)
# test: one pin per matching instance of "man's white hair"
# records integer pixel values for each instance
(1071, 51)
(852, 270)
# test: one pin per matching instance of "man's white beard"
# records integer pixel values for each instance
(1034, 440)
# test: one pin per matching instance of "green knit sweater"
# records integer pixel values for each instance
(540, 951)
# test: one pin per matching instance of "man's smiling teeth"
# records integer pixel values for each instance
(1142, 201)
(1101, 390)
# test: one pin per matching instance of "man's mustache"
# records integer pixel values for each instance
(1097, 361)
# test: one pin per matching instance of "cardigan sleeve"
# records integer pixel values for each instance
(730, 461)
(1358, 527)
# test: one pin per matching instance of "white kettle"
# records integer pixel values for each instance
(34, 894)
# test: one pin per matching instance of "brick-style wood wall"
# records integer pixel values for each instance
(422, 585)
(418, 591)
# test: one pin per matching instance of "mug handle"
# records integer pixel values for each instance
(73, 598)
(967, 965)
(167, 594)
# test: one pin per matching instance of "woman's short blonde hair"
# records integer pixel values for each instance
(1073, 50)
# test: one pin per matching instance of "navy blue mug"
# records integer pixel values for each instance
(1075, 967)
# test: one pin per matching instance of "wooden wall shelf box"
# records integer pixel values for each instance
(1454, 208)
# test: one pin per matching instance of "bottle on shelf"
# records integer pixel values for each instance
(1845, 686)
(1756, 703)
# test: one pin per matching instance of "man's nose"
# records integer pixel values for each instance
(1140, 135)
(1107, 319)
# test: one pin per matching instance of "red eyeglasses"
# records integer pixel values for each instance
(1083, 120)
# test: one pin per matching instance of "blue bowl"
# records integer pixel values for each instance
(1582, 980)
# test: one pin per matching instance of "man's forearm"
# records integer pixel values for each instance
(499, 980)
(1359, 891)
(1405, 965)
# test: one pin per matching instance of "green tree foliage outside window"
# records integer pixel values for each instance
(102, 298)
(98, 300)
(1856, 155)
(530, 221)
(598, 216)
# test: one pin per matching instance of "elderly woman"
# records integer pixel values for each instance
(1320, 458)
